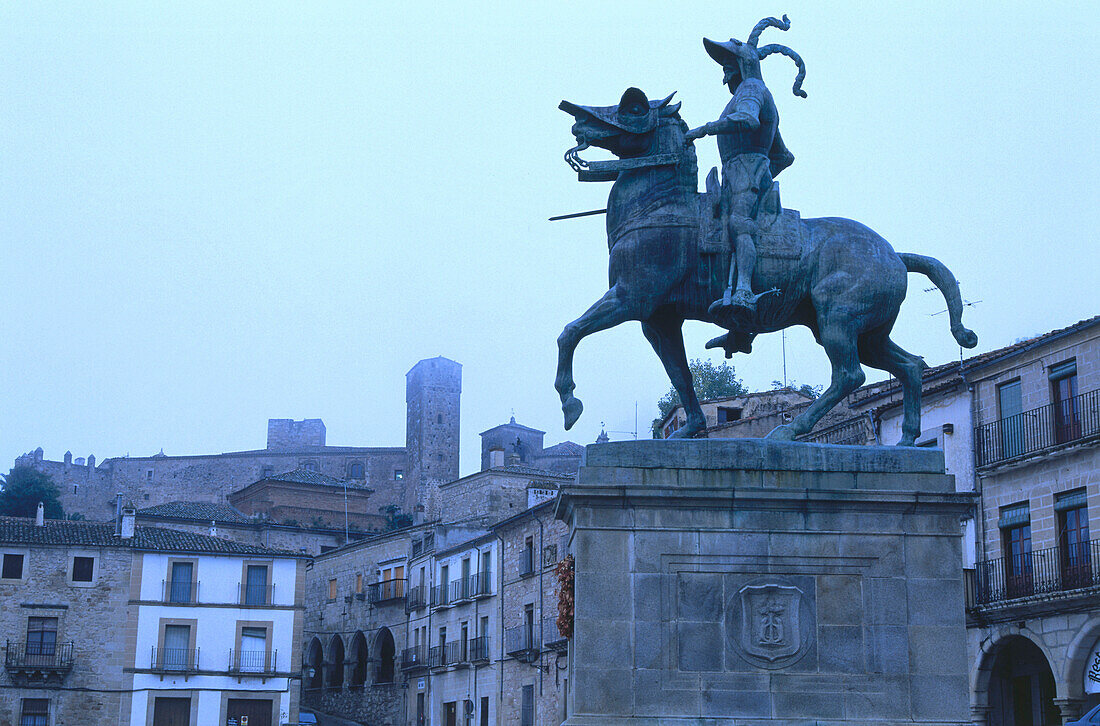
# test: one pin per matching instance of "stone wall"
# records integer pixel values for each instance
(92, 617)
(433, 390)
(490, 496)
(284, 434)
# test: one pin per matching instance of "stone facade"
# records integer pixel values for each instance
(304, 498)
(486, 497)
(433, 390)
(754, 415)
(85, 617)
(765, 582)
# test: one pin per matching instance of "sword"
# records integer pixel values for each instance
(578, 214)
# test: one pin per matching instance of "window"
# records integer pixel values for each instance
(527, 709)
(1015, 524)
(527, 557)
(13, 567)
(255, 587)
(484, 711)
(148, 475)
(1067, 416)
(41, 641)
(1010, 403)
(267, 471)
(359, 583)
(356, 470)
(253, 650)
(727, 414)
(439, 418)
(82, 569)
(36, 712)
(181, 582)
(398, 474)
(308, 465)
(529, 625)
(176, 651)
(1073, 538)
(331, 590)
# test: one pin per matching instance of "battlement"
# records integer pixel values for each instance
(284, 434)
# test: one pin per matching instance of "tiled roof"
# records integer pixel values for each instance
(525, 470)
(204, 511)
(305, 476)
(20, 530)
(565, 448)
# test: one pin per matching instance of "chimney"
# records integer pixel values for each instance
(129, 514)
(40, 516)
(213, 528)
(118, 512)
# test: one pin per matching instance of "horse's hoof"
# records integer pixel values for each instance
(907, 441)
(572, 409)
(686, 431)
(781, 433)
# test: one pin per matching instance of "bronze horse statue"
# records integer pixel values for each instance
(835, 276)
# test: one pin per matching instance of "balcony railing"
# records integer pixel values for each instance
(252, 661)
(852, 432)
(1052, 570)
(521, 639)
(417, 598)
(39, 656)
(458, 590)
(526, 562)
(386, 591)
(181, 592)
(479, 649)
(255, 594)
(413, 658)
(481, 585)
(1039, 429)
(551, 636)
(174, 659)
(441, 596)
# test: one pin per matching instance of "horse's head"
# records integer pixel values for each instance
(625, 129)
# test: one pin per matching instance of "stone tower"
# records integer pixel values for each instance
(432, 391)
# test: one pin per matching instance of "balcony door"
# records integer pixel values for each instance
(1010, 403)
(1067, 417)
(1017, 543)
(177, 647)
(1074, 545)
(179, 588)
(41, 641)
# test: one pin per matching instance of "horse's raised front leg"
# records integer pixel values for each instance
(607, 312)
(666, 336)
(838, 339)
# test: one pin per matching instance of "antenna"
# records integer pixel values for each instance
(966, 304)
(784, 332)
(633, 433)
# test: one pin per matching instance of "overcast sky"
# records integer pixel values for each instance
(214, 214)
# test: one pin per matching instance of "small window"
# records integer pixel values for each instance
(439, 457)
(267, 471)
(359, 583)
(439, 418)
(82, 569)
(727, 414)
(398, 474)
(148, 475)
(308, 465)
(356, 470)
(13, 567)
(332, 589)
(36, 712)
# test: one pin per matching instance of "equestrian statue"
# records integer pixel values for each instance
(732, 255)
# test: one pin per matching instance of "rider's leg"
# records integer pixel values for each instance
(746, 263)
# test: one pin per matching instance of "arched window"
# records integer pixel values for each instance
(360, 656)
(356, 470)
(336, 662)
(384, 648)
(314, 664)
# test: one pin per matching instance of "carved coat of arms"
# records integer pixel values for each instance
(770, 627)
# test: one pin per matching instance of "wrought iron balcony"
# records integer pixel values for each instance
(259, 662)
(1039, 430)
(38, 661)
(1041, 572)
(522, 640)
(441, 596)
(255, 594)
(414, 658)
(180, 592)
(526, 562)
(417, 597)
(478, 650)
(480, 585)
(552, 639)
(386, 591)
(184, 660)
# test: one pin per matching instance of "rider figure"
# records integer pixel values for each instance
(752, 154)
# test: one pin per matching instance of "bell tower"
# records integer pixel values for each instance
(433, 388)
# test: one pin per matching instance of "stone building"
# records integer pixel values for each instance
(115, 623)
(753, 415)
(399, 476)
(304, 497)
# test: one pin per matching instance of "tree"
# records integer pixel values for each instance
(23, 488)
(394, 518)
(708, 380)
(805, 389)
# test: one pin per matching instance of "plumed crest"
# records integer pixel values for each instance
(784, 50)
(754, 36)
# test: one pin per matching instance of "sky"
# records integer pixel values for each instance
(212, 214)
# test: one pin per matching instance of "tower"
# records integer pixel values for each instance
(433, 388)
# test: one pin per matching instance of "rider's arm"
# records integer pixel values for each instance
(743, 110)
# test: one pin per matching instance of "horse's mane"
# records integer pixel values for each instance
(691, 161)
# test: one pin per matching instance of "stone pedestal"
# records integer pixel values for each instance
(754, 582)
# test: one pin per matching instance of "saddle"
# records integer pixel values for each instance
(780, 229)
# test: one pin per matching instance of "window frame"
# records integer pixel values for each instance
(166, 596)
(269, 631)
(23, 713)
(269, 585)
(192, 634)
(94, 557)
(25, 555)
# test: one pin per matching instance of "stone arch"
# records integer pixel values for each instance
(385, 653)
(314, 664)
(1010, 660)
(360, 657)
(335, 662)
(1077, 653)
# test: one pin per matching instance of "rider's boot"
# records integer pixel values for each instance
(732, 343)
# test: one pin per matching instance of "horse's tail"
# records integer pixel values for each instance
(942, 278)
